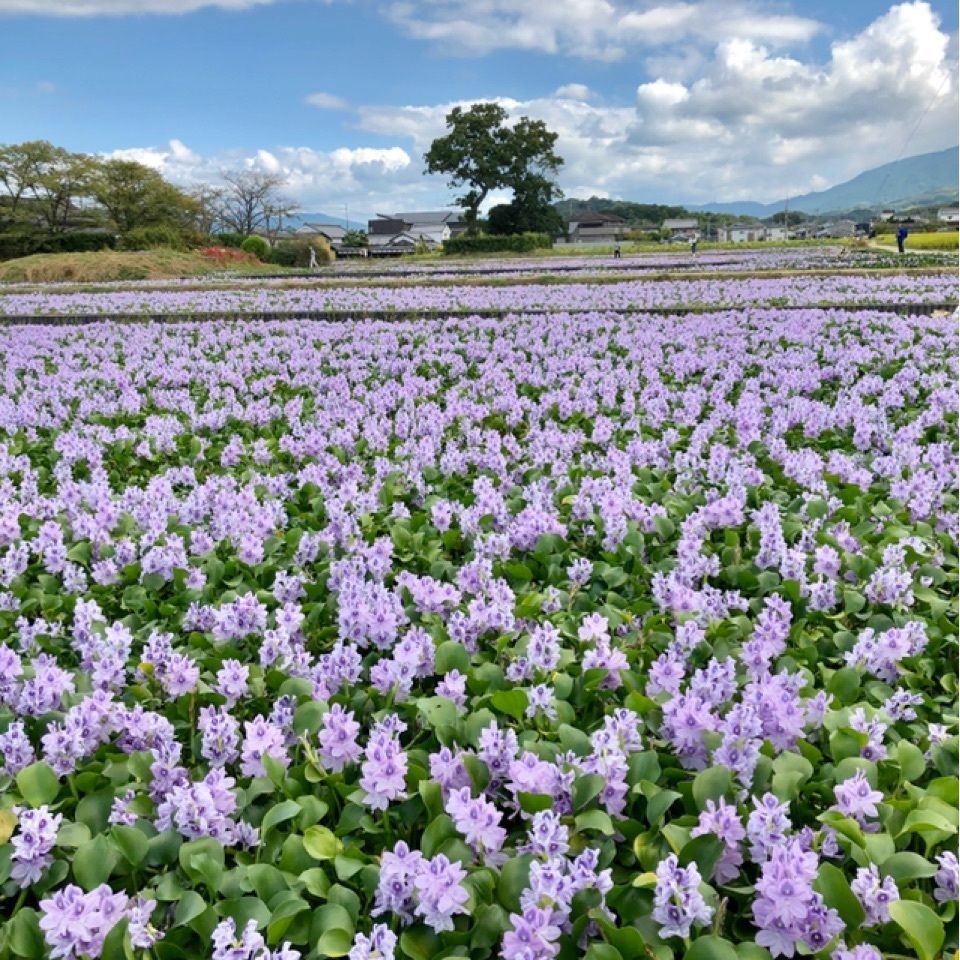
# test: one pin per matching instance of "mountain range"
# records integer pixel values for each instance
(924, 180)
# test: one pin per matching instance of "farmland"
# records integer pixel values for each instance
(517, 608)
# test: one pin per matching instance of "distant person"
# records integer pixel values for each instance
(901, 238)
(616, 252)
(313, 258)
(694, 240)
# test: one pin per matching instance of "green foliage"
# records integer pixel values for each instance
(162, 236)
(296, 253)
(259, 247)
(482, 153)
(490, 243)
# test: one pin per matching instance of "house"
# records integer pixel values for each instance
(948, 215)
(595, 228)
(686, 227)
(838, 228)
(402, 232)
(744, 232)
(333, 233)
(776, 232)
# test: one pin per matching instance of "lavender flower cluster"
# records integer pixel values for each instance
(590, 633)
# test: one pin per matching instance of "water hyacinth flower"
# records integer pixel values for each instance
(947, 877)
(380, 945)
(678, 903)
(33, 843)
(875, 894)
(338, 739)
(75, 924)
(857, 799)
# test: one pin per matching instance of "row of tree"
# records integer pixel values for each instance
(48, 193)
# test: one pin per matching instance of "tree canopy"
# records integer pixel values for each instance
(482, 152)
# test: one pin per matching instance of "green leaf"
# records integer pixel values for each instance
(38, 784)
(25, 936)
(278, 814)
(922, 927)
(451, 656)
(511, 702)
(321, 843)
(836, 891)
(705, 851)
(710, 784)
(853, 601)
(438, 711)
(244, 909)
(907, 866)
(94, 862)
(132, 843)
(595, 820)
(912, 763)
(602, 951)
(711, 948)
(585, 788)
(308, 717)
(514, 877)
(790, 772)
(189, 907)
(845, 684)
(535, 802)
(420, 943)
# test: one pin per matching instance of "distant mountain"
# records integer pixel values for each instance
(924, 180)
(298, 219)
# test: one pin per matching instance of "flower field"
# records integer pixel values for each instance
(574, 632)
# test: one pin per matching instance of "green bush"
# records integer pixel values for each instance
(257, 246)
(490, 243)
(153, 238)
(229, 240)
(79, 241)
(296, 253)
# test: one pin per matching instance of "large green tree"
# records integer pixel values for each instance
(134, 195)
(482, 152)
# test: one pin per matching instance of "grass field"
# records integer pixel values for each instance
(105, 265)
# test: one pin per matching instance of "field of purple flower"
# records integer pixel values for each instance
(574, 633)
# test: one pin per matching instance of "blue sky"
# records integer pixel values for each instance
(662, 100)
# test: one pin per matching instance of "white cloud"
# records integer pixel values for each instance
(597, 29)
(326, 101)
(753, 125)
(573, 91)
(366, 178)
(94, 8)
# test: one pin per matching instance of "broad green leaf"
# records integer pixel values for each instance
(921, 926)
(38, 784)
(321, 843)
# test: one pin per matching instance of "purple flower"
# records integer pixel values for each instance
(875, 894)
(395, 889)
(947, 878)
(856, 798)
(338, 738)
(678, 903)
(262, 739)
(32, 843)
(531, 936)
(479, 822)
(440, 895)
(380, 945)
(722, 821)
(384, 770)
(75, 923)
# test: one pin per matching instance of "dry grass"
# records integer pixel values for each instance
(107, 265)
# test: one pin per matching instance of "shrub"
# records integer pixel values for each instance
(296, 253)
(257, 246)
(229, 240)
(153, 238)
(489, 243)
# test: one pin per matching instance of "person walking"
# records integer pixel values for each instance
(901, 238)
(694, 239)
(313, 258)
(616, 252)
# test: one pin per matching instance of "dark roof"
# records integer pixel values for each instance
(428, 216)
(386, 225)
(596, 218)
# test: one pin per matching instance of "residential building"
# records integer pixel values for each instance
(595, 228)
(743, 232)
(838, 228)
(685, 226)
(948, 215)
(333, 233)
(402, 232)
(776, 232)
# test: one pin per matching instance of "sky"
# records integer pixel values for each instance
(660, 101)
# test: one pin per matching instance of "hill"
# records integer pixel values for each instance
(925, 180)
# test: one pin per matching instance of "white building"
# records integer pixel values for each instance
(687, 227)
(948, 215)
(743, 232)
